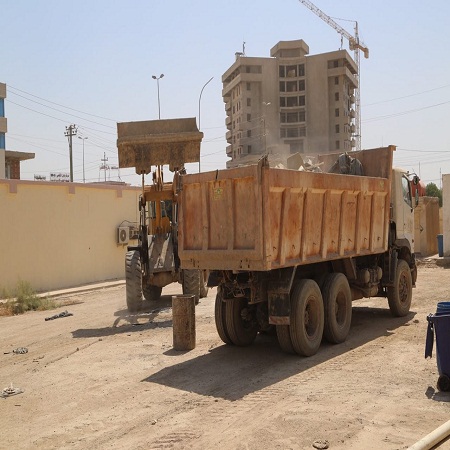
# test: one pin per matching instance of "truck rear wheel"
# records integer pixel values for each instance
(191, 283)
(284, 338)
(133, 280)
(241, 323)
(337, 303)
(400, 294)
(307, 317)
(204, 274)
(151, 292)
(219, 315)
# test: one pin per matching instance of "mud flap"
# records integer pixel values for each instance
(278, 292)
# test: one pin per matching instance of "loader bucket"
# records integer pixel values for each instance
(158, 142)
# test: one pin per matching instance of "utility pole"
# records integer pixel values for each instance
(104, 166)
(71, 130)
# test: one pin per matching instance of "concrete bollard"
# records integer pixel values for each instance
(183, 320)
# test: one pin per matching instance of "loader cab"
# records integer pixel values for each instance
(159, 216)
(403, 205)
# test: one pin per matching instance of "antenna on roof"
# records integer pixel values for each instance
(243, 48)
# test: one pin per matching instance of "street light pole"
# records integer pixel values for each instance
(83, 139)
(199, 101)
(157, 83)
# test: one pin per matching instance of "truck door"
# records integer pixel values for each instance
(405, 212)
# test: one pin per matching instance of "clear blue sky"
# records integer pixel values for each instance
(98, 58)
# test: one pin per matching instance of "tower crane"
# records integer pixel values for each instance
(354, 44)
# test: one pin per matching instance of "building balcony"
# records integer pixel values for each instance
(241, 78)
(229, 150)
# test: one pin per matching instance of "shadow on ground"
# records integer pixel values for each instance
(232, 372)
(153, 315)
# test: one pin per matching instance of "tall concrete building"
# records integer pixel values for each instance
(9, 160)
(289, 103)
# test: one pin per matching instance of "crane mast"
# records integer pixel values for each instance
(354, 44)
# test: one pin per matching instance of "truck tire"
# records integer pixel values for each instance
(191, 283)
(151, 292)
(400, 294)
(219, 315)
(337, 304)
(241, 323)
(133, 280)
(204, 274)
(307, 317)
(284, 339)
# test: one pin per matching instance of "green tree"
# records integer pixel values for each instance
(433, 191)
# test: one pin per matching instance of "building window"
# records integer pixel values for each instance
(291, 71)
(336, 112)
(337, 145)
(301, 70)
(249, 148)
(301, 116)
(249, 102)
(234, 109)
(336, 96)
(336, 80)
(292, 101)
(337, 129)
(249, 117)
(291, 86)
(2, 140)
(282, 86)
(301, 100)
(281, 71)
(249, 133)
(282, 102)
(301, 85)
(2, 107)
(248, 86)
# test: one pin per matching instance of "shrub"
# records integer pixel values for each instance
(23, 298)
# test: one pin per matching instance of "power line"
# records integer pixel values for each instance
(63, 112)
(58, 104)
(406, 96)
(390, 116)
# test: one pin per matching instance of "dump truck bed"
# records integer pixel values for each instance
(260, 218)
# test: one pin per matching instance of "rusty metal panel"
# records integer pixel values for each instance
(261, 218)
(158, 142)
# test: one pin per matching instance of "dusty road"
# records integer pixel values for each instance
(95, 380)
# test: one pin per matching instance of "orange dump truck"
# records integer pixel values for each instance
(293, 249)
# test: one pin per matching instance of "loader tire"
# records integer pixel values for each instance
(400, 294)
(133, 281)
(191, 283)
(151, 292)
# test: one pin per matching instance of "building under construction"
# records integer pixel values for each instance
(289, 102)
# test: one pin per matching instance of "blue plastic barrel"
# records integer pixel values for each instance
(440, 240)
(443, 308)
(439, 324)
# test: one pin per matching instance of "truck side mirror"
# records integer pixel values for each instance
(415, 180)
(416, 197)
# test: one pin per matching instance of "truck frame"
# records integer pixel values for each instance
(292, 249)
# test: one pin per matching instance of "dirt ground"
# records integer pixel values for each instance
(104, 379)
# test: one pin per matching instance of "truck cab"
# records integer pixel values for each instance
(403, 205)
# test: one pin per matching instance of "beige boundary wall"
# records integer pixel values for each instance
(59, 235)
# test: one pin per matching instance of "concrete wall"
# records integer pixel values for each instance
(58, 235)
(446, 213)
(426, 224)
